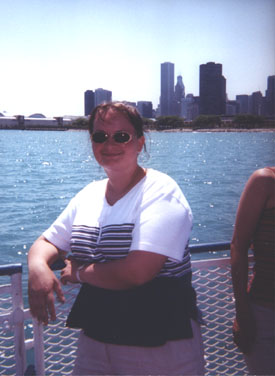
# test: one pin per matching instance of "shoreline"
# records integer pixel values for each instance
(183, 130)
(210, 130)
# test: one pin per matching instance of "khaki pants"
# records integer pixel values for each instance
(181, 357)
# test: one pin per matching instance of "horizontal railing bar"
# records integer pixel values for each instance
(206, 247)
(205, 264)
(222, 261)
(10, 269)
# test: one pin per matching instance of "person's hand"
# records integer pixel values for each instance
(244, 332)
(41, 288)
(68, 274)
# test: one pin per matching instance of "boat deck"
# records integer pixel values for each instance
(27, 347)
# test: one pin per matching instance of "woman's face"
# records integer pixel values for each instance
(111, 155)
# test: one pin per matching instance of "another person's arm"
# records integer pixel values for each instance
(252, 203)
(42, 281)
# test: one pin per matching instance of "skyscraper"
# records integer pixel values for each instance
(89, 102)
(167, 89)
(179, 96)
(212, 89)
(243, 101)
(270, 96)
(102, 95)
(190, 107)
(145, 108)
(256, 103)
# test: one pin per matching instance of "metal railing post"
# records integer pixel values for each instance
(18, 322)
(38, 334)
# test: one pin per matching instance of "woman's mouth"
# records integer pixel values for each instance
(111, 154)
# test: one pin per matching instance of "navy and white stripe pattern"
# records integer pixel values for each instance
(112, 242)
(101, 244)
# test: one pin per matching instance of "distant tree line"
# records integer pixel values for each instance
(80, 123)
(245, 121)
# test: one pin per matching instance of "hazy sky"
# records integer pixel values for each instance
(54, 50)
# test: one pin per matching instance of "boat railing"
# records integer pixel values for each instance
(13, 323)
(28, 348)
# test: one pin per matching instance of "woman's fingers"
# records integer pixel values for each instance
(42, 302)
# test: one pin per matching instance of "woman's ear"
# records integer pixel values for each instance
(141, 142)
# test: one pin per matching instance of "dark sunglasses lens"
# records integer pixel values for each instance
(99, 137)
(121, 137)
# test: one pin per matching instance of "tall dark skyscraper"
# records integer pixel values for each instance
(89, 102)
(179, 96)
(270, 96)
(212, 89)
(145, 108)
(167, 89)
(102, 95)
(243, 103)
(257, 103)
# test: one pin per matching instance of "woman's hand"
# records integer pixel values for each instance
(41, 288)
(244, 332)
(68, 274)
(42, 281)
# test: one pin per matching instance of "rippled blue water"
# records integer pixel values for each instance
(41, 171)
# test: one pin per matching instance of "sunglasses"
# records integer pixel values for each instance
(120, 137)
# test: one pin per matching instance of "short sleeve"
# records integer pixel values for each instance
(163, 227)
(59, 233)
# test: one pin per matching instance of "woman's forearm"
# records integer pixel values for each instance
(134, 270)
(42, 252)
(239, 272)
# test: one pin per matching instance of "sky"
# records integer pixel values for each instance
(52, 51)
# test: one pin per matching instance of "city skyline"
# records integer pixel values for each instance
(52, 52)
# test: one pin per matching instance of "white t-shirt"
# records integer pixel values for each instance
(153, 216)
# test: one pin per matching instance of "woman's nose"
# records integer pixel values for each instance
(111, 141)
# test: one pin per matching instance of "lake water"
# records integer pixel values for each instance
(42, 170)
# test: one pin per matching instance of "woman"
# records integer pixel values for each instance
(127, 240)
(255, 224)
